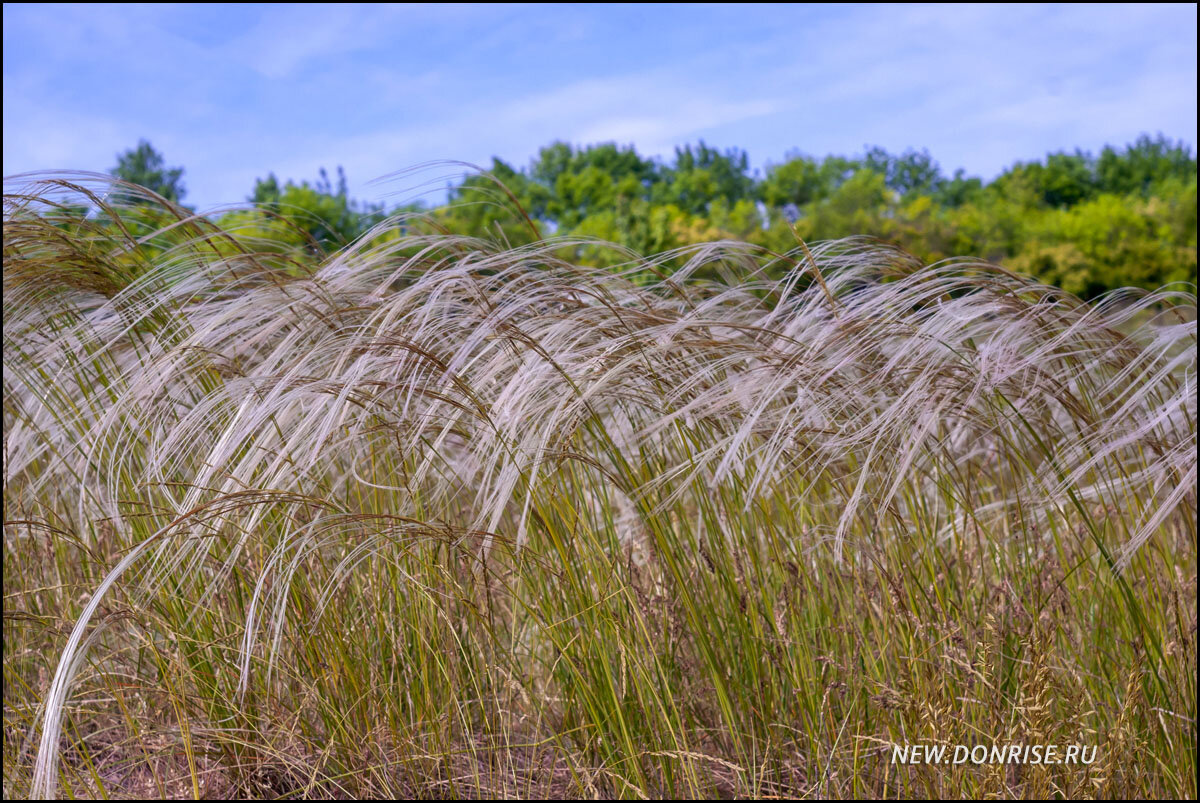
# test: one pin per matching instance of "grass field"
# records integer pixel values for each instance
(434, 517)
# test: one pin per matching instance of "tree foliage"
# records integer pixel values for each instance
(1087, 223)
(317, 216)
(145, 167)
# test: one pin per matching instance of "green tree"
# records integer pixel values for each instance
(1104, 243)
(907, 174)
(958, 190)
(1064, 180)
(568, 184)
(797, 181)
(502, 204)
(1141, 165)
(701, 175)
(145, 167)
(324, 213)
(858, 206)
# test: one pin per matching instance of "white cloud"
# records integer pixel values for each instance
(233, 93)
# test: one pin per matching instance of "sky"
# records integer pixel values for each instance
(231, 93)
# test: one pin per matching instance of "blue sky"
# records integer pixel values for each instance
(232, 92)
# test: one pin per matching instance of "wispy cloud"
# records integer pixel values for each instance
(232, 92)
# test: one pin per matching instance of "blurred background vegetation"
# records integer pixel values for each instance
(1084, 222)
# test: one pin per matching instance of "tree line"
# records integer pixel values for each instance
(1085, 222)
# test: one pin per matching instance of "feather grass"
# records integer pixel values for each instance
(436, 515)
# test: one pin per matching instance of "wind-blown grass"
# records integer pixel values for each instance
(432, 516)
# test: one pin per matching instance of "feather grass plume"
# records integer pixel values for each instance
(237, 415)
